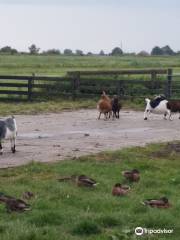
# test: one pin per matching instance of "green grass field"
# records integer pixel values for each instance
(59, 65)
(61, 210)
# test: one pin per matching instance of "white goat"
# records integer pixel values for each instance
(158, 106)
(8, 130)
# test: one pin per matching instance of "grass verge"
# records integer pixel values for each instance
(9, 108)
(56, 106)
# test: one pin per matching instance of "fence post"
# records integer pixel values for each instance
(169, 83)
(30, 87)
(118, 88)
(153, 76)
(75, 84)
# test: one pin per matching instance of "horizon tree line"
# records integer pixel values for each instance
(117, 51)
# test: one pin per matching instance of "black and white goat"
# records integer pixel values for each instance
(159, 105)
(8, 130)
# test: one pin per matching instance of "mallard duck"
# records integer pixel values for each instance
(17, 205)
(81, 180)
(13, 204)
(120, 190)
(159, 203)
(27, 195)
(4, 197)
(133, 175)
(86, 181)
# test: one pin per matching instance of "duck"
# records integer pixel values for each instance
(14, 204)
(83, 180)
(17, 205)
(80, 180)
(27, 195)
(4, 197)
(120, 190)
(132, 176)
(158, 203)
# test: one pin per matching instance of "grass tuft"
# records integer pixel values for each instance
(47, 218)
(86, 228)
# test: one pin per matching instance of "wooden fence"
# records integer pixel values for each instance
(153, 81)
(77, 84)
(28, 87)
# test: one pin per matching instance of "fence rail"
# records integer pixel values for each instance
(121, 72)
(91, 83)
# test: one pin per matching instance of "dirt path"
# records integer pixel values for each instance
(53, 137)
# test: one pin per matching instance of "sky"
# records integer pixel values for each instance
(90, 25)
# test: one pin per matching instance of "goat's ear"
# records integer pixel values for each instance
(103, 93)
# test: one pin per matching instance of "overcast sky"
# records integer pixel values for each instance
(90, 25)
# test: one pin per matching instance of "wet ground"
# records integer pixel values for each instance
(53, 137)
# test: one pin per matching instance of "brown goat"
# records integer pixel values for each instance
(174, 106)
(104, 106)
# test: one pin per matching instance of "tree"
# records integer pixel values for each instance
(167, 50)
(52, 52)
(8, 50)
(157, 51)
(79, 53)
(143, 54)
(116, 51)
(101, 53)
(14, 51)
(33, 49)
(68, 52)
(90, 54)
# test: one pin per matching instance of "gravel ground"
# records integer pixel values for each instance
(53, 137)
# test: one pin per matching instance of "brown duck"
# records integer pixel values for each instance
(13, 204)
(27, 195)
(132, 176)
(158, 203)
(120, 190)
(81, 180)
